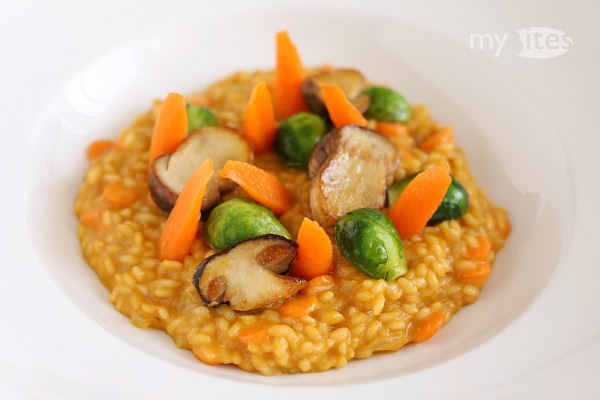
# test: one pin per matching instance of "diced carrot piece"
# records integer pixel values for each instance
(419, 200)
(289, 77)
(507, 229)
(170, 127)
(260, 185)
(299, 306)
(475, 276)
(443, 135)
(181, 228)
(406, 154)
(97, 148)
(254, 334)
(341, 111)
(391, 130)
(426, 329)
(91, 216)
(119, 195)
(259, 119)
(481, 251)
(315, 252)
(326, 68)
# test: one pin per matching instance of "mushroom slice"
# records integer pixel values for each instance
(351, 81)
(247, 275)
(170, 172)
(350, 168)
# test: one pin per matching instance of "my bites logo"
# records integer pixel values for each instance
(536, 42)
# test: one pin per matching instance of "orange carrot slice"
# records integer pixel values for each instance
(198, 99)
(254, 334)
(341, 111)
(506, 229)
(443, 135)
(263, 187)
(170, 127)
(391, 130)
(119, 195)
(97, 148)
(315, 253)
(299, 306)
(91, 216)
(180, 230)
(475, 276)
(426, 329)
(259, 120)
(419, 200)
(289, 76)
(481, 251)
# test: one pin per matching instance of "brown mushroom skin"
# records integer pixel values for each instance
(351, 81)
(351, 168)
(247, 275)
(169, 172)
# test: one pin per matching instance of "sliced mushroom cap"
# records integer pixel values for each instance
(351, 81)
(170, 172)
(247, 275)
(350, 168)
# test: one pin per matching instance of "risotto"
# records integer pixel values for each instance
(327, 320)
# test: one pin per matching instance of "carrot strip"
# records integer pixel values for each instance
(254, 334)
(443, 135)
(481, 251)
(259, 120)
(391, 130)
(119, 195)
(419, 200)
(315, 253)
(170, 127)
(299, 306)
(97, 148)
(426, 329)
(289, 76)
(476, 275)
(263, 187)
(180, 230)
(341, 111)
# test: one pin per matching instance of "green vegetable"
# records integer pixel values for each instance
(238, 219)
(387, 105)
(199, 116)
(454, 204)
(296, 138)
(368, 240)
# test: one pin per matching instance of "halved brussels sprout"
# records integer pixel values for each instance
(296, 138)
(454, 204)
(387, 105)
(368, 240)
(239, 218)
(199, 116)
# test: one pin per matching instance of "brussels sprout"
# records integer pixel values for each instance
(454, 204)
(387, 105)
(368, 240)
(296, 138)
(238, 219)
(199, 116)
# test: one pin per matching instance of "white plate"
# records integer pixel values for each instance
(514, 149)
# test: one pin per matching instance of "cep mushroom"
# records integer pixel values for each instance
(351, 81)
(170, 172)
(247, 275)
(350, 168)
